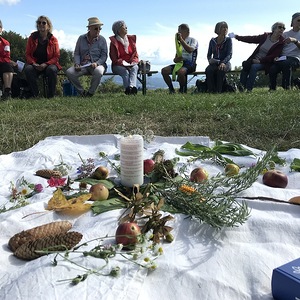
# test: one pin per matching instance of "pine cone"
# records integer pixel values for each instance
(59, 242)
(47, 173)
(38, 232)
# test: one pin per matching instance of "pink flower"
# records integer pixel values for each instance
(56, 182)
(38, 188)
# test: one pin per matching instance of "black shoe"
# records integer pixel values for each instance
(182, 90)
(127, 91)
(133, 90)
(171, 91)
(6, 96)
(241, 88)
(88, 94)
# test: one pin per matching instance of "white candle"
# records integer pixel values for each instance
(132, 160)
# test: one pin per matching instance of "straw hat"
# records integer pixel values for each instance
(94, 21)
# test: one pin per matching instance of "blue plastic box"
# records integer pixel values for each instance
(68, 89)
(286, 281)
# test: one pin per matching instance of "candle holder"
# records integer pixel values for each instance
(132, 160)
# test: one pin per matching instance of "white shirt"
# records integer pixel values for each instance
(291, 49)
(190, 56)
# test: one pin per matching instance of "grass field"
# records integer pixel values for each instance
(259, 119)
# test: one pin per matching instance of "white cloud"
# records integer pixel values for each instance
(66, 41)
(9, 2)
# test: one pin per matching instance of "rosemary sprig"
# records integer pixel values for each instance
(215, 201)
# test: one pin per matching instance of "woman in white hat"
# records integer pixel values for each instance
(124, 56)
(90, 57)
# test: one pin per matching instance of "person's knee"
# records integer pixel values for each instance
(51, 70)
(165, 71)
(99, 71)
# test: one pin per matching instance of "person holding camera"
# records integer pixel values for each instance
(184, 61)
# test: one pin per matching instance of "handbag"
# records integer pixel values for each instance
(144, 66)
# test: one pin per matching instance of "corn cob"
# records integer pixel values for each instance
(47, 173)
(59, 242)
(38, 232)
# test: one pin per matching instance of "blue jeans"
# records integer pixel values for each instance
(247, 78)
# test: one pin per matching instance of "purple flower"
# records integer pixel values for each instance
(38, 188)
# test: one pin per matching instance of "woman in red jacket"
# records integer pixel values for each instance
(124, 56)
(269, 47)
(6, 66)
(42, 57)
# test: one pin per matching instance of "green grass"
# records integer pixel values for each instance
(259, 119)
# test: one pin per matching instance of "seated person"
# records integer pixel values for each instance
(90, 57)
(124, 56)
(185, 59)
(270, 45)
(6, 67)
(291, 55)
(42, 57)
(218, 55)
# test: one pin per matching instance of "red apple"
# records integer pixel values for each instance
(275, 178)
(127, 233)
(100, 173)
(148, 166)
(99, 192)
(199, 174)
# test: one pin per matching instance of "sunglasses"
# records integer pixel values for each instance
(281, 27)
(42, 22)
(97, 28)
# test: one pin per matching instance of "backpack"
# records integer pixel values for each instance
(201, 86)
(229, 88)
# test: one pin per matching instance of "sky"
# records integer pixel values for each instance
(154, 22)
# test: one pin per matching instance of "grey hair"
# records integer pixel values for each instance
(116, 26)
(219, 25)
(275, 25)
